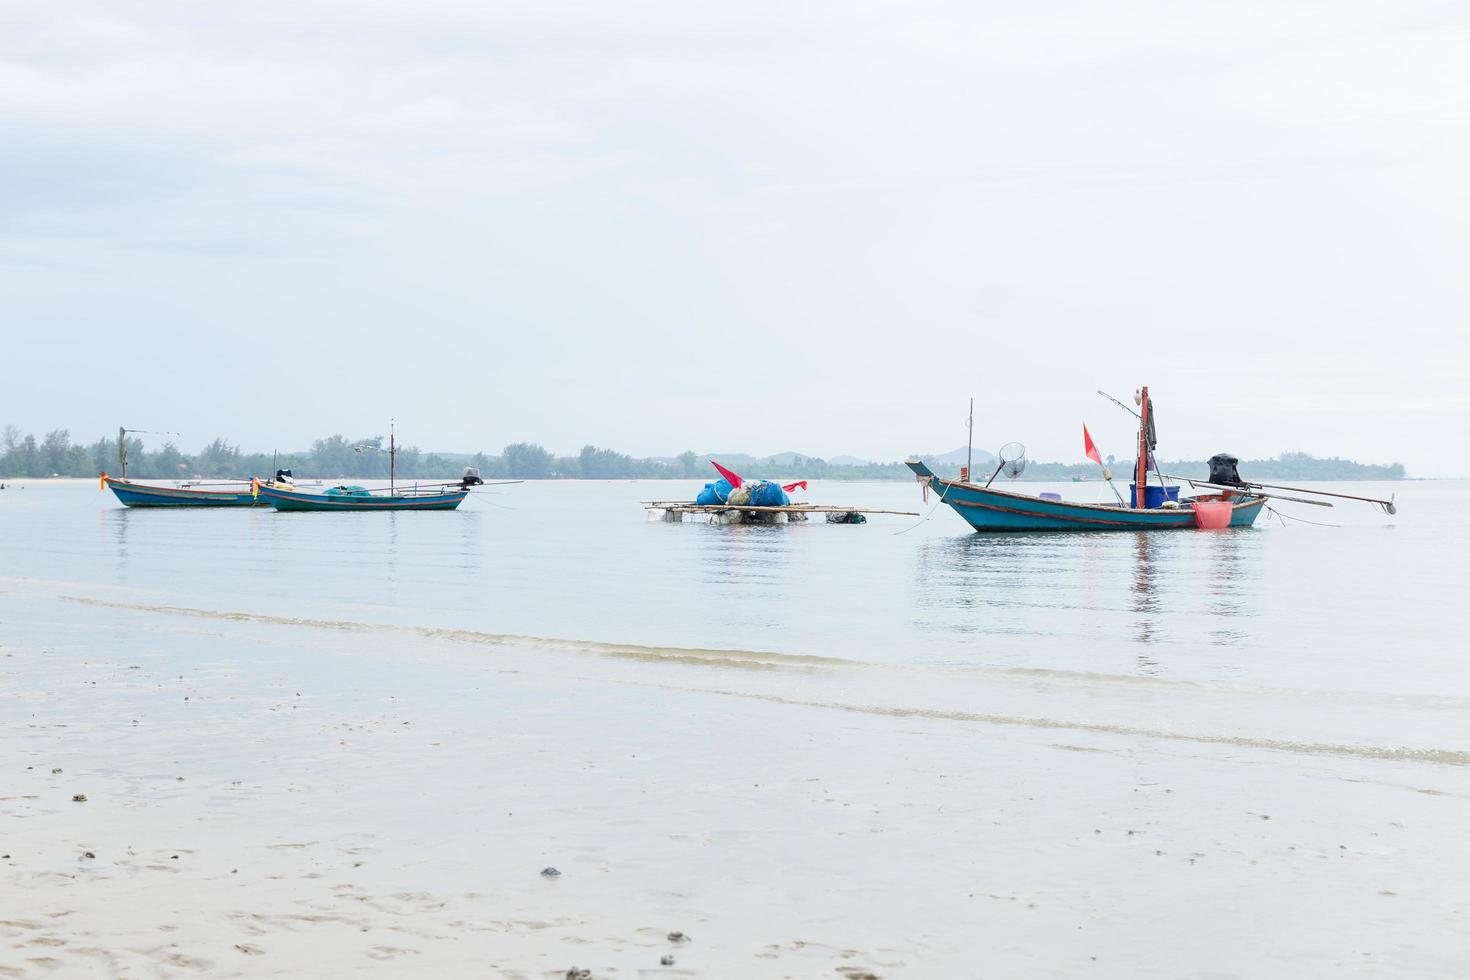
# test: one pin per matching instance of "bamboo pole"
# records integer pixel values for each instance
(690, 507)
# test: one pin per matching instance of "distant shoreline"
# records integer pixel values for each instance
(367, 458)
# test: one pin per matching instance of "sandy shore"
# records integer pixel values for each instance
(297, 799)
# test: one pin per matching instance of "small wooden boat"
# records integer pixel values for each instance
(228, 493)
(150, 495)
(355, 498)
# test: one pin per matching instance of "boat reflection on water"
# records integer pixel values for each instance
(1099, 596)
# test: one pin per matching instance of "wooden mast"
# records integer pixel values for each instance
(970, 445)
(1140, 490)
(392, 455)
(122, 451)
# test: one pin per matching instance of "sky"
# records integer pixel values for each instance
(750, 226)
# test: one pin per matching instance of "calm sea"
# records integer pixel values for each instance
(1371, 605)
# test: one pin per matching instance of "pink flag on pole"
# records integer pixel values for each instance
(1087, 445)
(734, 478)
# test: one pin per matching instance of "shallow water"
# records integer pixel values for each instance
(345, 744)
(1369, 606)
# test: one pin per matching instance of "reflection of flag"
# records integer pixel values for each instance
(1090, 449)
(792, 486)
(734, 478)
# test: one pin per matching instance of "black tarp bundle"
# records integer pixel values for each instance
(1223, 471)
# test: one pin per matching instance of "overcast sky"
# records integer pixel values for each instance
(741, 226)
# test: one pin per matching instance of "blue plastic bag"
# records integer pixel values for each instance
(767, 494)
(714, 493)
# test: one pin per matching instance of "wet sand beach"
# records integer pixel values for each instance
(265, 796)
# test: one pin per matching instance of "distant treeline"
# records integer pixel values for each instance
(367, 459)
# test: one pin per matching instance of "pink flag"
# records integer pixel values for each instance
(1087, 445)
(792, 486)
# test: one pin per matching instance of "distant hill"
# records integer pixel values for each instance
(778, 460)
(956, 457)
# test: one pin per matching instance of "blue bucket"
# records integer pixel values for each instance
(1153, 497)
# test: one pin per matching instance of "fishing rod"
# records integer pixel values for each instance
(1120, 404)
(1389, 507)
(1268, 496)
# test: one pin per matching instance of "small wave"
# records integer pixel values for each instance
(631, 651)
(750, 659)
(1442, 757)
(768, 660)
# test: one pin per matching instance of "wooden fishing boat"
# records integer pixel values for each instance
(356, 499)
(1149, 507)
(993, 509)
(347, 498)
(226, 493)
(150, 495)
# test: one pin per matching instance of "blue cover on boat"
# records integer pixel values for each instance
(348, 490)
(767, 494)
(714, 493)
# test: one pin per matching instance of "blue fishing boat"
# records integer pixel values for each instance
(1149, 507)
(993, 509)
(184, 494)
(349, 498)
(356, 499)
(150, 495)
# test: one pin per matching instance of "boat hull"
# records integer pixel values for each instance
(987, 509)
(294, 500)
(143, 495)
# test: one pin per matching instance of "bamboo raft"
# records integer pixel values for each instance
(673, 511)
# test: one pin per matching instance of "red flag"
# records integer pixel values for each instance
(1089, 447)
(788, 487)
(734, 478)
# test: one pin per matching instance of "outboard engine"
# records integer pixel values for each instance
(284, 476)
(471, 478)
(1223, 471)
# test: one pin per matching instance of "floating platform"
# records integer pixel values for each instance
(673, 511)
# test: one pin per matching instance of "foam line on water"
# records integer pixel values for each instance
(1434, 756)
(759, 659)
(737, 658)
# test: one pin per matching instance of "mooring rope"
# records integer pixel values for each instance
(1291, 517)
(926, 517)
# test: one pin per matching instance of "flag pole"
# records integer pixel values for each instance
(1091, 452)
